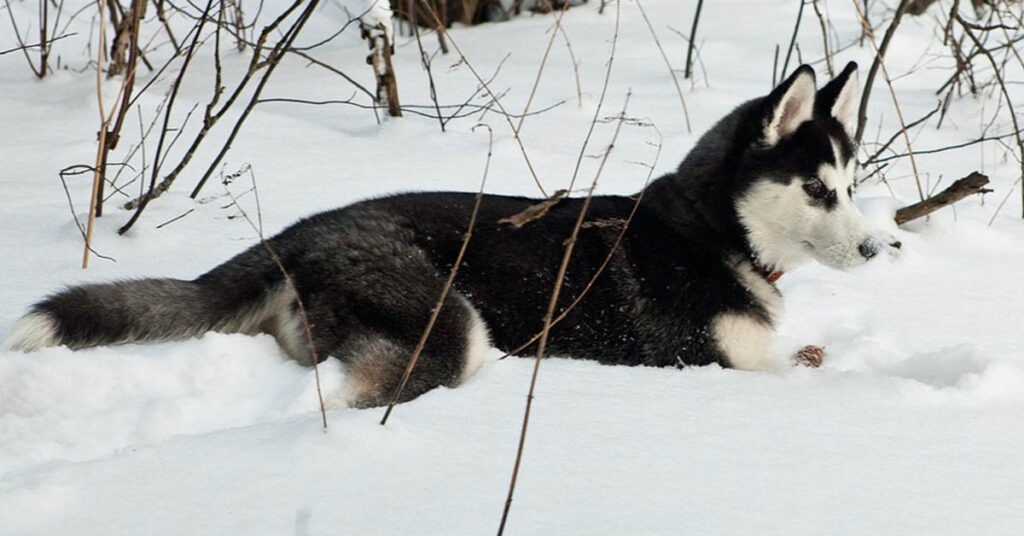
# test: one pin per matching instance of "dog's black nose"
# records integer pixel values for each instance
(868, 249)
(897, 244)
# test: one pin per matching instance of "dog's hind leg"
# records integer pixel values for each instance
(375, 362)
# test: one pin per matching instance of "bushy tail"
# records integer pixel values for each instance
(150, 310)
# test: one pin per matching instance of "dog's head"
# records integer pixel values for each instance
(799, 175)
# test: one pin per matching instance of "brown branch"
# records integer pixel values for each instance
(880, 62)
(486, 87)
(154, 189)
(289, 282)
(1002, 87)
(550, 314)
(862, 111)
(543, 63)
(273, 59)
(381, 51)
(824, 38)
(535, 211)
(447, 285)
(671, 71)
(614, 222)
(691, 44)
(969, 185)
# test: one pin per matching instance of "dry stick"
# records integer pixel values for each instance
(425, 61)
(775, 66)
(127, 87)
(210, 118)
(151, 194)
(693, 35)
(21, 43)
(1006, 96)
(273, 59)
(543, 62)
(36, 45)
(671, 72)
(381, 51)
(71, 206)
(975, 141)
(414, 108)
(792, 40)
(44, 50)
(969, 185)
(288, 281)
(700, 60)
(447, 284)
(869, 82)
(487, 88)
(162, 17)
(607, 259)
(878, 154)
(549, 315)
(880, 61)
(824, 38)
(575, 65)
(332, 69)
(104, 124)
(600, 100)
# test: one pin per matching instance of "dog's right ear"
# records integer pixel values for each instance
(838, 99)
(789, 105)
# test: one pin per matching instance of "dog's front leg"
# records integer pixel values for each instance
(743, 339)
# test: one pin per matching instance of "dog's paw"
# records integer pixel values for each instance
(809, 356)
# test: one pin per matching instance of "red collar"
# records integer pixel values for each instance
(769, 275)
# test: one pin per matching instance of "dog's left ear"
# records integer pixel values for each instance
(838, 99)
(789, 105)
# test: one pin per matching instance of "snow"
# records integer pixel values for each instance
(912, 426)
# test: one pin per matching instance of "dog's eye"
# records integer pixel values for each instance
(815, 188)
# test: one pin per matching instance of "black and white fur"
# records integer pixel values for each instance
(766, 189)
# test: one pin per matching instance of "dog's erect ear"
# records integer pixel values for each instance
(789, 105)
(838, 98)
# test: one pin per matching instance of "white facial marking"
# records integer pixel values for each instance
(785, 227)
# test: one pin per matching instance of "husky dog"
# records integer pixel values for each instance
(690, 283)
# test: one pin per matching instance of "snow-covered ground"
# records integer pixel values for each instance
(914, 425)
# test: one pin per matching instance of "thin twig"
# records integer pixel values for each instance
(824, 38)
(692, 43)
(289, 282)
(600, 100)
(792, 40)
(880, 62)
(486, 87)
(671, 72)
(1006, 95)
(104, 124)
(273, 60)
(869, 82)
(154, 190)
(608, 257)
(549, 316)
(447, 284)
(543, 62)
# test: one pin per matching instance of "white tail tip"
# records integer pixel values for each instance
(32, 332)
